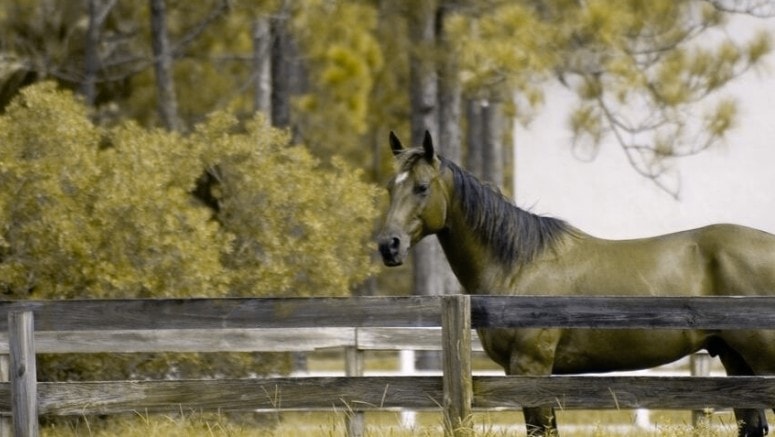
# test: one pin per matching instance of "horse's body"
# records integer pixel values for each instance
(496, 248)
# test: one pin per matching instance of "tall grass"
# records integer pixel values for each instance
(334, 424)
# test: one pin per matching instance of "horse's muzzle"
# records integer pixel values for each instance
(393, 250)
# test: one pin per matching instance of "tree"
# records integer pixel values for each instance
(98, 12)
(262, 66)
(162, 63)
(286, 74)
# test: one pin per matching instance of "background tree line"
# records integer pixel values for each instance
(159, 178)
(341, 73)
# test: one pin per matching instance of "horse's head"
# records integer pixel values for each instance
(418, 200)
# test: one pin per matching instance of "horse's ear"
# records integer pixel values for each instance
(395, 144)
(427, 145)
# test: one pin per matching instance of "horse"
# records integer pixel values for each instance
(494, 247)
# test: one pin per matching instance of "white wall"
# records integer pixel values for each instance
(734, 183)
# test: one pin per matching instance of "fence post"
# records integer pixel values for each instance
(700, 366)
(456, 350)
(24, 393)
(353, 366)
(5, 421)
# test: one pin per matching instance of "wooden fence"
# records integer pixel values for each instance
(211, 325)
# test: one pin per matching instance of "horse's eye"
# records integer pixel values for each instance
(421, 189)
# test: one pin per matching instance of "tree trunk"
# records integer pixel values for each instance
(485, 157)
(287, 71)
(423, 89)
(423, 97)
(262, 67)
(474, 137)
(286, 79)
(449, 141)
(91, 65)
(280, 97)
(492, 144)
(162, 61)
(97, 12)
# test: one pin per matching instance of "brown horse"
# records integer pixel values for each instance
(496, 248)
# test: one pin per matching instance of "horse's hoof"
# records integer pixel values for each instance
(753, 431)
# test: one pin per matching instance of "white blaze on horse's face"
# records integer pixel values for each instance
(402, 226)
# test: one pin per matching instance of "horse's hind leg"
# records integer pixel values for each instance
(751, 422)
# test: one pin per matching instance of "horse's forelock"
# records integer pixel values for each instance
(409, 159)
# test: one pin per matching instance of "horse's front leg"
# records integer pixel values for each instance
(533, 354)
(540, 421)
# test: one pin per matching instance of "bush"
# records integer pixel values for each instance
(98, 212)
(108, 212)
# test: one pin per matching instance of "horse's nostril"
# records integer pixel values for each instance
(391, 247)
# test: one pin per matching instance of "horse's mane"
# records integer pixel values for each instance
(514, 235)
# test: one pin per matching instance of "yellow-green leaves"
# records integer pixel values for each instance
(298, 229)
(759, 46)
(45, 181)
(722, 118)
(343, 60)
(86, 211)
(509, 44)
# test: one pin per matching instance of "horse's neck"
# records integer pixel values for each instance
(470, 260)
(483, 267)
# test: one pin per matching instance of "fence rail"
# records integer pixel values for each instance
(235, 340)
(416, 311)
(208, 325)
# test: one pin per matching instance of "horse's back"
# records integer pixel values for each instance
(719, 259)
(740, 260)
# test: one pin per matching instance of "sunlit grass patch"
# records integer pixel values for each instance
(385, 424)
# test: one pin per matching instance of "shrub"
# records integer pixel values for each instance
(96, 212)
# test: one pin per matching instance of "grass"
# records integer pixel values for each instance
(385, 424)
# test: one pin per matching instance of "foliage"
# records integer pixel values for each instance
(100, 212)
(212, 68)
(637, 67)
(108, 212)
(343, 62)
(314, 234)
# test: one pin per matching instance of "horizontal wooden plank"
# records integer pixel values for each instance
(341, 393)
(623, 312)
(235, 340)
(615, 392)
(405, 339)
(415, 311)
(372, 393)
(190, 340)
(127, 314)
